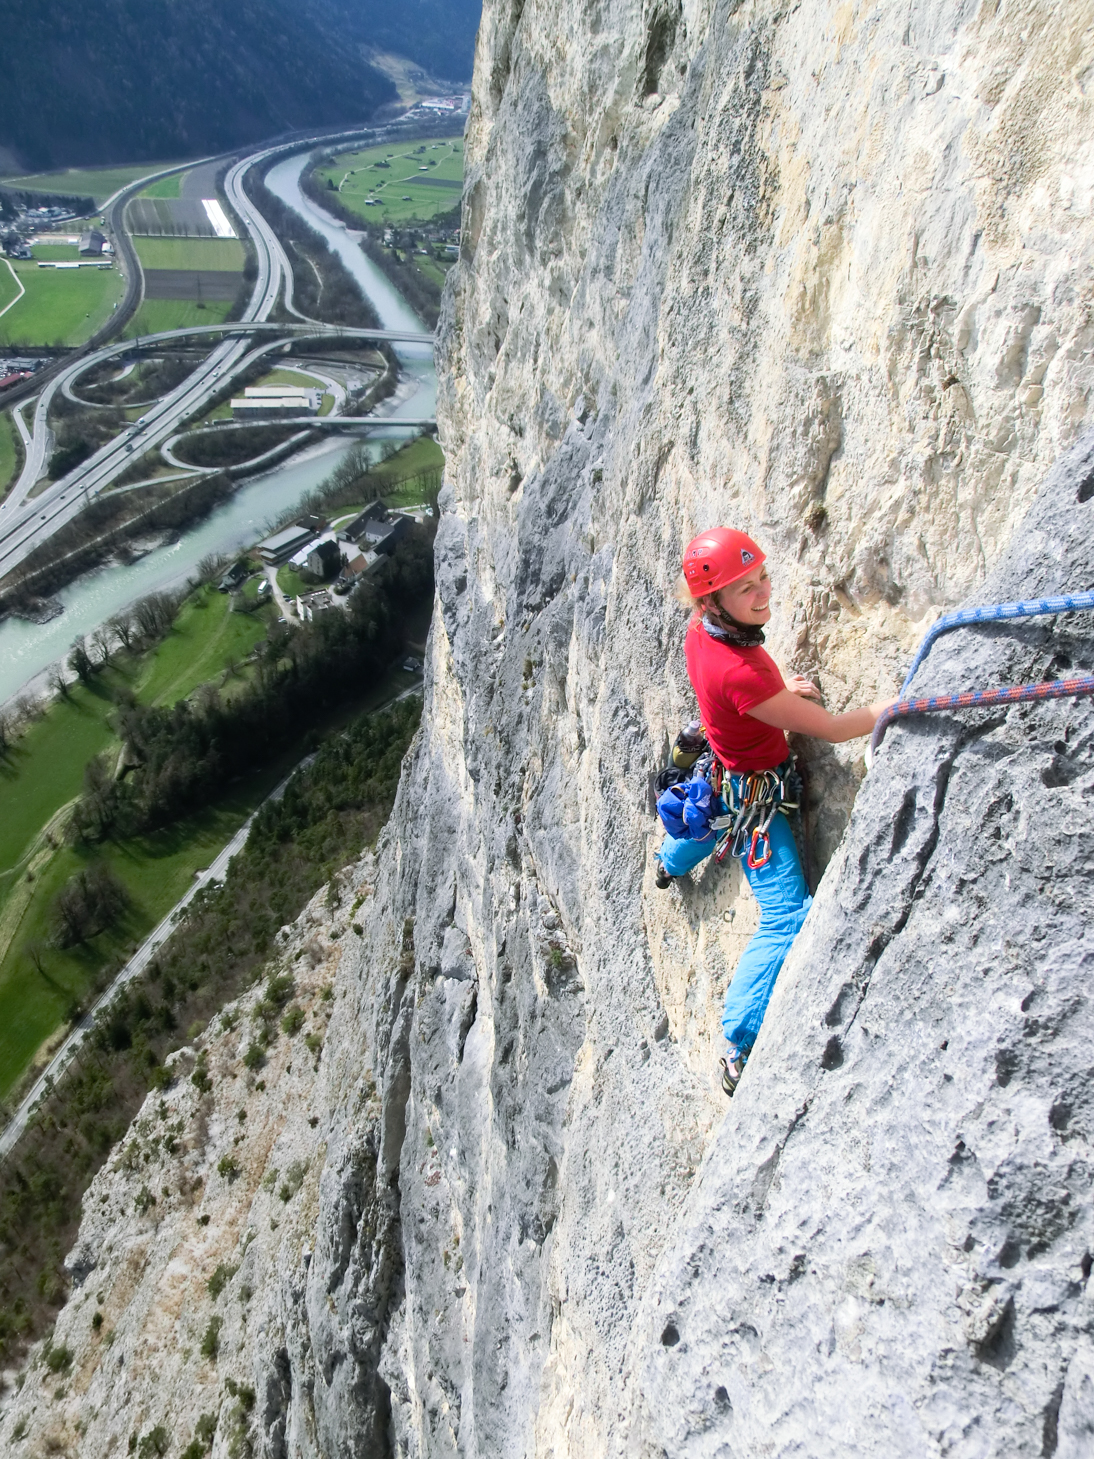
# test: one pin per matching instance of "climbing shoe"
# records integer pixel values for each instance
(661, 878)
(732, 1069)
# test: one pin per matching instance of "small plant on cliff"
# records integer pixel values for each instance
(155, 1443)
(294, 1179)
(293, 1021)
(144, 1202)
(227, 1167)
(210, 1343)
(58, 1360)
(254, 1058)
(204, 1433)
(220, 1279)
(239, 1441)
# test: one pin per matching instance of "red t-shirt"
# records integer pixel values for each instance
(728, 682)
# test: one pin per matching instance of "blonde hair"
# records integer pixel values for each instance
(683, 596)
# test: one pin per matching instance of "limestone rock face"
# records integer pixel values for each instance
(826, 274)
(888, 1248)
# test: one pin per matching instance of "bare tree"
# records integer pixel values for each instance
(80, 662)
(154, 614)
(27, 709)
(7, 731)
(121, 626)
(102, 641)
(36, 952)
(57, 681)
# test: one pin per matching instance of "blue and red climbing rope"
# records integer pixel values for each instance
(984, 698)
(991, 613)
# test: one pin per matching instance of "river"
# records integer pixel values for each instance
(27, 649)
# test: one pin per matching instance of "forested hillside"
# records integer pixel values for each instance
(158, 79)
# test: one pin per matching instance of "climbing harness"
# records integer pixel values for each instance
(982, 698)
(689, 804)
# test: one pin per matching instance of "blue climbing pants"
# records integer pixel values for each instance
(784, 899)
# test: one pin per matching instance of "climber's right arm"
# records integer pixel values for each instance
(791, 712)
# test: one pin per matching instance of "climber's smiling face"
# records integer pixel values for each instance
(748, 600)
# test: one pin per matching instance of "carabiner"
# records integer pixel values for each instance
(754, 861)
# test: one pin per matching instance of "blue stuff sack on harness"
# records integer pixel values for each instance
(687, 809)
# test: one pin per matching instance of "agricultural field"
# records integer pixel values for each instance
(99, 183)
(191, 272)
(397, 183)
(60, 306)
(156, 315)
(167, 187)
(40, 777)
(206, 254)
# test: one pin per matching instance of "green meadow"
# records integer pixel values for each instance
(156, 315)
(220, 254)
(60, 306)
(40, 777)
(397, 183)
(99, 183)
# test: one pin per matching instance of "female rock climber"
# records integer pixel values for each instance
(746, 708)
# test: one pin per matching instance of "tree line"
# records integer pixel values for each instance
(180, 757)
(323, 288)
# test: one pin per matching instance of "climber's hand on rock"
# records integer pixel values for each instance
(799, 684)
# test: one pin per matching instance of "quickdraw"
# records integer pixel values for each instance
(752, 800)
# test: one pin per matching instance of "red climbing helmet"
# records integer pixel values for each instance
(718, 557)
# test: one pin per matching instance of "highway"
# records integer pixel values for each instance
(25, 521)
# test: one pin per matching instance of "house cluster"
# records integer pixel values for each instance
(431, 107)
(44, 217)
(442, 243)
(275, 402)
(342, 556)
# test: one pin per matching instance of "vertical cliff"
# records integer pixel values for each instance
(824, 272)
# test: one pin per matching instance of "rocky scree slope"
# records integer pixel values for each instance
(827, 275)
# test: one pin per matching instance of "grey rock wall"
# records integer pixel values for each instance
(888, 1248)
(824, 273)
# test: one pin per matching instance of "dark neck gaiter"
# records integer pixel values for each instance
(727, 630)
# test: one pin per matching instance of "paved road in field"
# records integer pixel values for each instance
(133, 969)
